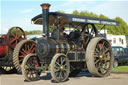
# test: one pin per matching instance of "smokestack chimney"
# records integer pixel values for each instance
(45, 17)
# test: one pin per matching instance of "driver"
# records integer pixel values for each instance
(61, 32)
(58, 32)
(55, 32)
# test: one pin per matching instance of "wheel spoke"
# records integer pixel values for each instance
(99, 65)
(107, 54)
(32, 46)
(65, 72)
(57, 64)
(61, 77)
(97, 50)
(63, 60)
(16, 32)
(105, 67)
(20, 35)
(103, 46)
(28, 47)
(107, 59)
(57, 73)
(57, 69)
(97, 61)
(21, 60)
(16, 42)
(96, 54)
(13, 35)
(31, 61)
(24, 51)
(21, 56)
(101, 70)
(106, 50)
(32, 51)
(12, 41)
(25, 46)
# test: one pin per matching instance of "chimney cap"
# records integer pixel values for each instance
(45, 5)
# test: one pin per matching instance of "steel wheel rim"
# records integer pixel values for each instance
(102, 57)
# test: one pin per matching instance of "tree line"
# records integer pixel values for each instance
(33, 32)
(122, 29)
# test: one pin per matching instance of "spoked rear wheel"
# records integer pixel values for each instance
(60, 68)
(22, 49)
(99, 57)
(29, 70)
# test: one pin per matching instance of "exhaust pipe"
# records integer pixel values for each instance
(45, 18)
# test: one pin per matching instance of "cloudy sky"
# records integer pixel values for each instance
(20, 12)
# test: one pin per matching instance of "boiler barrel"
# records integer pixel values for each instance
(48, 48)
(64, 46)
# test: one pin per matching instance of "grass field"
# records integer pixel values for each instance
(120, 69)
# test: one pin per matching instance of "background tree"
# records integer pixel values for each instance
(122, 29)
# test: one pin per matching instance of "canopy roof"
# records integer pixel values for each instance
(74, 19)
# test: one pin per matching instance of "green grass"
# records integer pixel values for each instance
(120, 69)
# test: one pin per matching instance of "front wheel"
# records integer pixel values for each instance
(60, 67)
(29, 65)
(99, 57)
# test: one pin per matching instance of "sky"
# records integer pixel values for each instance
(20, 12)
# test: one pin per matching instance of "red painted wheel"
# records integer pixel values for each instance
(22, 49)
(15, 35)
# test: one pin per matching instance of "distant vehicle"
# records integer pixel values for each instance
(120, 55)
(8, 43)
(13, 50)
(126, 50)
(35, 39)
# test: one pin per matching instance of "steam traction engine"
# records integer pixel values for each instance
(67, 54)
(7, 45)
(13, 50)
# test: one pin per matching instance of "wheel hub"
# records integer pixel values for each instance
(101, 57)
(62, 67)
